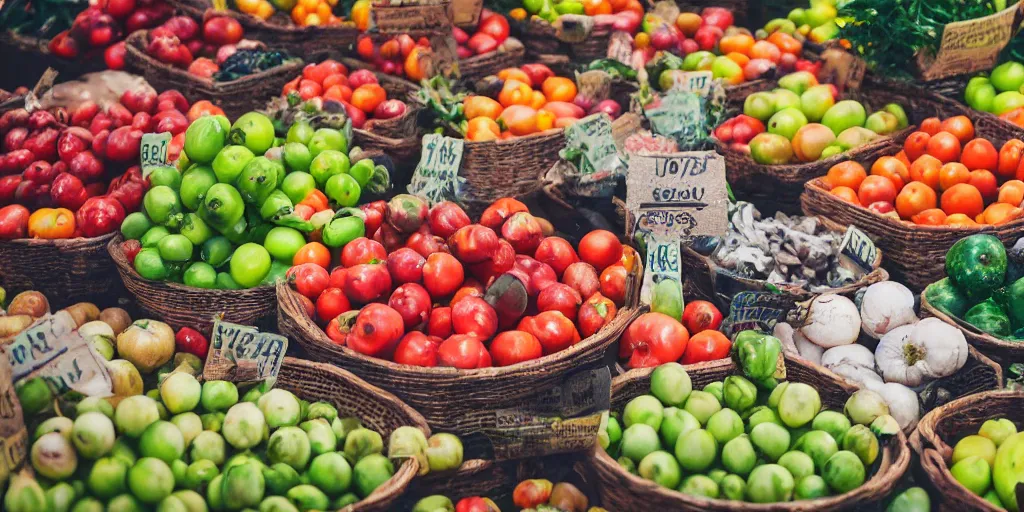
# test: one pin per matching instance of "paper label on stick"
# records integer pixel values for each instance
(971, 45)
(681, 195)
(692, 81)
(594, 135)
(153, 151)
(39, 343)
(51, 348)
(620, 47)
(858, 248)
(437, 175)
(662, 263)
(240, 353)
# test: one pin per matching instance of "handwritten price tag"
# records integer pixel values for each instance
(662, 263)
(692, 81)
(153, 151)
(681, 195)
(437, 175)
(243, 353)
(859, 248)
(39, 344)
(758, 311)
(594, 134)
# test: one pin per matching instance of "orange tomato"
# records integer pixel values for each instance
(482, 128)
(1015, 116)
(930, 217)
(414, 70)
(739, 43)
(309, 89)
(931, 126)
(876, 188)
(765, 50)
(980, 154)
(962, 198)
(51, 223)
(366, 97)
(926, 169)
(537, 99)
(323, 10)
(786, 43)
(361, 15)
(959, 126)
(475, 106)
(515, 92)
(892, 168)
(1009, 158)
(953, 173)
(846, 174)
(557, 88)
(642, 41)
(635, 6)
(338, 93)
(1012, 193)
(915, 198)
(916, 145)
(298, 14)
(316, 200)
(986, 183)
(595, 7)
(688, 23)
(520, 120)
(738, 58)
(960, 220)
(334, 79)
(515, 74)
(518, 14)
(545, 120)
(204, 108)
(365, 48)
(1001, 213)
(313, 252)
(944, 146)
(846, 194)
(902, 157)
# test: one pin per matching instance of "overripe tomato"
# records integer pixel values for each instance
(365, 283)
(425, 243)
(338, 277)
(653, 339)
(473, 243)
(309, 279)
(514, 92)
(406, 266)
(14, 220)
(583, 278)
(440, 322)
(51, 223)
(559, 297)
(313, 252)
(701, 315)
(556, 252)
(496, 214)
(595, 313)
(473, 315)
(554, 330)
(412, 302)
(374, 215)
(535, 275)
(511, 347)
(980, 154)
(463, 351)
(962, 198)
(613, 284)
(1001, 213)
(376, 332)
(442, 274)
(362, 250)
(706, 346)
(915, 198)
(417, 349)
(331, 303)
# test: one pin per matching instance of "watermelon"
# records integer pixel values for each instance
(989, 317)
(977, 265)
(944, 296)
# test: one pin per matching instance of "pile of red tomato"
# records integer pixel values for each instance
(397, 56)
(103, 26)
(181, 42)
(359, 91)
(431, 288)
(491, 32)
(656, 338)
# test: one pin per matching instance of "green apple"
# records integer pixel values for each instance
(760, 105)
(787, 122)
(1007, 101)
(814, 102)
(882, 123)
(844, 114)
(1008, 76)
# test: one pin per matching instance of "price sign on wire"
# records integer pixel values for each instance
(437, 175)
(662, 263)
(244, 353)
(859, 248)
(153, 151)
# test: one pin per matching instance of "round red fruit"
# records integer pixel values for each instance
(365, 283)
(556, 252)
(412, 302)
(417, 349)
(377, 330)
(613, 284)
(463, 351)
(331, 303)
(473, 315)
(405, 266)
(511, 347)
(446, 218)
(362, 250)
(442, 274)
(309, 279)
(560, 297)
(601, 249)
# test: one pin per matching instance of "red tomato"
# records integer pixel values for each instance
(554, 331)
(523, 232)
(560, 297)
(463, 351)
(425, 243)
(473, 243)
(470, 288)
(365, 283)
(652, 340)
(335, 332)
(442, 274)
(495, 214)
(613, 284)
(338, 277)
(556, 252)
(374, 215)
(362, 250)
(406, 266)
(595, 313)
(601, 249)
(417, 349)
(377, 330)
(331, 303)
(511, 347)
(476, 504)
(440, 323)
(502, 261)
(706, 346)
(701, 315)
(583, 278)
(13, 221)
(412, 302)
(309, 279)
(495, 26)
(446, 218)
(535, 275)
(473, 315)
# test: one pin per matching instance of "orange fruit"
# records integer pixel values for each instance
(846, 194)
(1009, 158)
(1012, 192)
(926, 169)
(980, 154)
(930, 217)
(688, 23)
(962, 198)
(944, 146)
(960, 220)
(892, 168)
(953, 173)
(916, 145)
(1001, 213)
(931, 126)
(876, 188)
(739, 43)
(986, 183)
(846, 174)
(915, 198)
(959, 126)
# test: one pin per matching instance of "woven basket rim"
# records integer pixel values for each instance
(972, 333)
(897, 452)
(251, 21)
(795, 170)
(533, 138)
(287, 303)
(62, 243)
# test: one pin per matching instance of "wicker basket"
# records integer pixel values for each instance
(777, 187)
(236, 97)
(540, 38)
(352, 396)
(1004, 352)
(312, 43)
(29, 56)
(469, 402)
(479, 66)
(701, 277)
(953, 88)
(66, 271)
(186, 306)
(941, 428)
(621, 490)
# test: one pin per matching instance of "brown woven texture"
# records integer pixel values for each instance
(699, 271)
(953, 88)
(186, 306)
(777, 187)
(458, 401)
(540, 39)
(479, 66)
(36, 52)
(379, 410)
(940, 429)
(1004, 352)
(622, 491)
(500, 168)
(312, 43)
(66, 271)
(235, 97)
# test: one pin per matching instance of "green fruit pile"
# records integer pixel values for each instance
(990, 464)
(1000, 92)
(730, 441)
(195, 447)
(233, 218)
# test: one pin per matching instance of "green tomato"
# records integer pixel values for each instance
(230, 162)
(249, 265)
(276, 205)
(194, 185)
(223, 206)
(166, 176)
(201, 275)
(195, 229)
(216, 251)
(175, 248)
(362, 171)
(343, 189)
(278, 272)
(149, 264)
(160, 203)
(135, 226)
(282, 243)
(327, 139)
(204, 138)
(297, 185)
(301, 132)
(258, 180)
(342, 230)
(296, 157)
(226, 282)
(326, 164)
(254, 131)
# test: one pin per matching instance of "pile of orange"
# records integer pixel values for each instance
(522, 107)
(944, 175)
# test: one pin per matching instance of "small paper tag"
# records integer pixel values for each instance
(692, 81)
(859, 248)
(970, 45)
(594, 134)
(662, 263)
(758, 311)
(39, 344)
(681, 195)
(842, 69)
(241, 353)
(620, 47)
(153, 151)
(437, 175)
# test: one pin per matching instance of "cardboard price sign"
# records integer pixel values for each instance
(680, 195)
(153, 151)
(858, 248)
(969, 46)
(39, 344)
(692, 81)
(240, 353)
(51, 348)
(662, 263)
(620, 47)
(437, 175)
